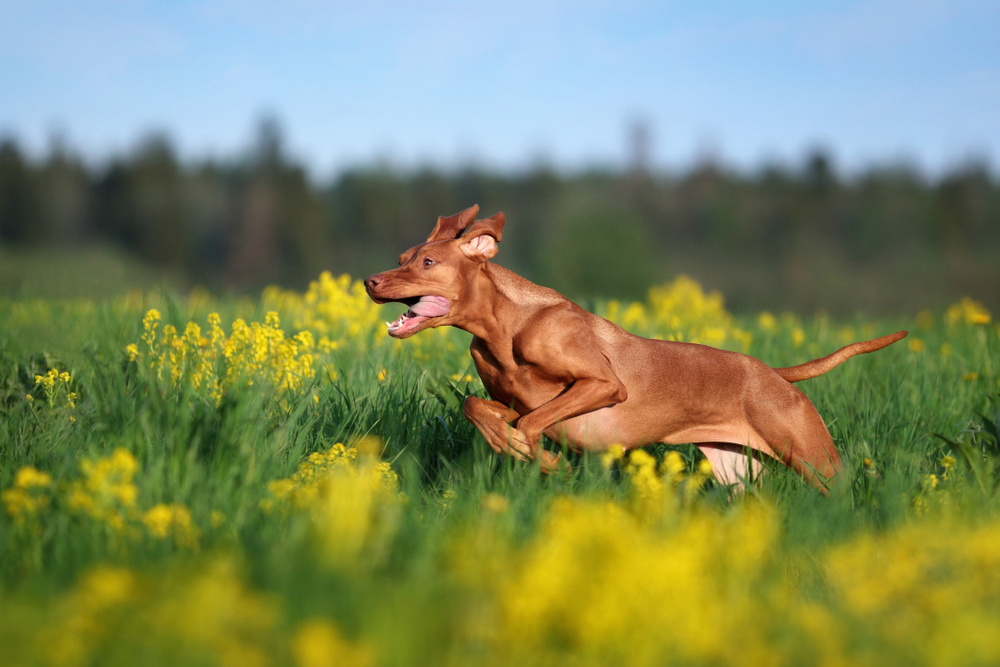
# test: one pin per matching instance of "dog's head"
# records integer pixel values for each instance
(434, 278)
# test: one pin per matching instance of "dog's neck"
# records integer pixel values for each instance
(495, 290)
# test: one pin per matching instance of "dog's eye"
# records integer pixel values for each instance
(428, 261)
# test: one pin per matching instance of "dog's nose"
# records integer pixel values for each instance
(373, 281)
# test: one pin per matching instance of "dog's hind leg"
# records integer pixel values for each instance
(732, 464)
(796, 434)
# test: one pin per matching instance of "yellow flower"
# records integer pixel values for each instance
(647, 486)
(318, 643)
(369, 445)
(798, 336)
(767, 321)
(149, 323)
(495, 503)
(173, 521)
(968, 311)
(447, 499)
(106, 493)
(613, 454)
(680, 310)
(916, 345)
(673, 464)
(350, 498)
(593, 568)
(27, 497)
(382, 375)
(158, 520)
(28, 477)
(214, 363)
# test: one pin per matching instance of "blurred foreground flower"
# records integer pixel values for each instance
(28, 495)
(205, 616)
(351, 498)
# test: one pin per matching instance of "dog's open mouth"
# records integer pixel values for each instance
(421, 309)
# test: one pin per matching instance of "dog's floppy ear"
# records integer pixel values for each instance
(452, 227)
(480, 242)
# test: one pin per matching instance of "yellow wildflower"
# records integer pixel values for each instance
(107, 492)
(673, 464)
(29, 476)
(330, 306)
(798, 336)
(495, 503)
(27, 496)
(79, 630)
(349, 498)
(318, 643)
(968, 311)
(646, 484)
(767, 321)
(447, 499)
(172, 521)
(613, 454)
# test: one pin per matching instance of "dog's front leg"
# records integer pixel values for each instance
(493, 419)
(583, 396)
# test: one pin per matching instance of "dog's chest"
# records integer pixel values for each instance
(509, 379)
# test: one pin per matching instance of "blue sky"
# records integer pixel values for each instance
(506, 85)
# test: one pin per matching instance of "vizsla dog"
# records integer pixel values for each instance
(553, 368)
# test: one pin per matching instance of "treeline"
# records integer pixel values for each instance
(765, 238)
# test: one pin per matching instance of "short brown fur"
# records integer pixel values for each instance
(553, 368)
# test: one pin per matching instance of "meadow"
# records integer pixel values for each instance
(189, 480)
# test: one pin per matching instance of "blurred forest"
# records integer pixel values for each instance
(802, 238)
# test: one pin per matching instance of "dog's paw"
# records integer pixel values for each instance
(551, 463)
(518, 444)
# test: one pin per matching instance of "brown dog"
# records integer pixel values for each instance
(553, 368)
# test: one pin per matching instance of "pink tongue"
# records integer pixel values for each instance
(431, 306)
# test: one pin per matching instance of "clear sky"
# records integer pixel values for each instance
(508, 84)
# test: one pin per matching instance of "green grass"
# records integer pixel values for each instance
(91, 271)
(400, 597)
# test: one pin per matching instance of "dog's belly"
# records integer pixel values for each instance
(598, 430)
(613, 425)
(594, 431)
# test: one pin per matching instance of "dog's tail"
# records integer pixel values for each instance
(811, 369)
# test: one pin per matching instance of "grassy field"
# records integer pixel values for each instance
(276, 482)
